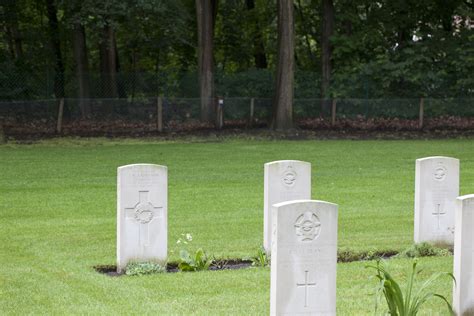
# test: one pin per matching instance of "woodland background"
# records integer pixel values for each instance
(192, 51)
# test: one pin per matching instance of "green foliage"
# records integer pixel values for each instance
(198, 261)
(261, 258)
(423, 249)
(410, 302)
(381, 49)
(142, 268)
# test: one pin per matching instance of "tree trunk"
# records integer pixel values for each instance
(120, 88)
(108, 62)
(258, 45)
(205, 23)
(326, 53)
(306, 35)
(56, 47)
(17, 40)
(283, 99)
(9, 40)
(12, 29)
(82, 68)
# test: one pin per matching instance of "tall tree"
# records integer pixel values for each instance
(12, 31)
(108, 61)
(326, 51)
(303, 21)
(258, 45)
(82, 67)
(56, 47)
(76, 16)
(283, 98)
(205, 14)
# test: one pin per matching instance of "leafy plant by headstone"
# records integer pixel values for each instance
(261, 258)
(197, 261)
(410, 301)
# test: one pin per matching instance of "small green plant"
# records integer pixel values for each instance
(407, 304)
(142, 268)
(423, 249)
(261, 259)
(197, 262)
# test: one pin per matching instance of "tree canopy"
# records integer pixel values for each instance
(396, 48)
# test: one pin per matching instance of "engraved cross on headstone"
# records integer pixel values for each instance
(438, 214)
(306, 284)
(143, 213)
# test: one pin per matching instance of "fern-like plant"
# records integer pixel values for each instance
(410, 302)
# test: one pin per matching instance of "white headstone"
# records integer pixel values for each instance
(304, 258)
(284, 180)
(463, 293)
(436, 190)
(142, 214)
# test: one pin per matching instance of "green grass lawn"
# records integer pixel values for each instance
(58, 213)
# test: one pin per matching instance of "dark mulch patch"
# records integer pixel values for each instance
(235, 264)
(343, 256)
(109, 270)
(230, 264)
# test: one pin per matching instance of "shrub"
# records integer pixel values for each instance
(423, 249)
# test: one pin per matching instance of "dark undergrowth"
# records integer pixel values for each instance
(316, 128)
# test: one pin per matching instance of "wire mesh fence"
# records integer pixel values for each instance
(258, 83)
(129, 103)
(169, 114)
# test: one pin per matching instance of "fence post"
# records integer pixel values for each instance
(60, 116)
(159, 116)
(252, 111)
(2, 133)
(220, 112)
(333, 112)
(421, 114)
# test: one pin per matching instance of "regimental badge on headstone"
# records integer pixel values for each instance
(284, 180)
(304, 258)
(436, 189)
(142, 227)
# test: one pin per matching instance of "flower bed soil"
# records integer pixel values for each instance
(235, 264)
(230, 264)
